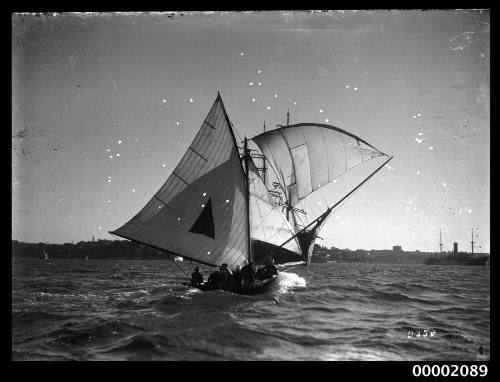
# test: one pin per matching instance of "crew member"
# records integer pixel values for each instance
(196, 277)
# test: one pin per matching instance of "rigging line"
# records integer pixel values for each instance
(178, 266)
(117, 105)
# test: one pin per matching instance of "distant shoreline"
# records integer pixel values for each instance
(128, 250)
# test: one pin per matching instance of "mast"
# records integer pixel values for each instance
(440, 243)
(246, 157)
(264, 161)
(472, 240)
(288, 117)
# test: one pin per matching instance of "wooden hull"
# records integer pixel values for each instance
(250, 288)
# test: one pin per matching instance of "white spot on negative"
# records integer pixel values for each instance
(347, 86)
(418, 172)
(259, 71)
(444, 184)
(204, 194)
(159, 206)
(355, 89)
(109, 180)
(191, 100)
(250, 83)
(419, 115)
(275, 96)
(242, 54)
(253, 99)
(178, 219)
(164, 165)
(108, 150)
(100, 228)
(111, 157)
(119, 142)
(431, 148)
(202, 206)
(269, 108)
(133, 189)
(164, 100)
(321, 110)
(177, 123)
(117, 155)
(109, 201)
(227, 200)
(326, 120)
(260, 83)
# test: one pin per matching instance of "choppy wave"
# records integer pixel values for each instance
(139, 310)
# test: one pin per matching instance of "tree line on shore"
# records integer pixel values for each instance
(124, 249)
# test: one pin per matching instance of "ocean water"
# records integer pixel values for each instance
(139, 310)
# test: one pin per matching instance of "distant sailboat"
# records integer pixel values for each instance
(45, 255)
(218, 207)
(86, 257)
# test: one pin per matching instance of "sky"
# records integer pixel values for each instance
(105, 105)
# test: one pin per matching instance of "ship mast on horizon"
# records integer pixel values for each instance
(440, 243)
(472, 240)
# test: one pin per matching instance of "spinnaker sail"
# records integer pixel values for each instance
(303, 158)
(307, 156)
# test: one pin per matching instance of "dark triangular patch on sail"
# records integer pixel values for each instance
(204, 225)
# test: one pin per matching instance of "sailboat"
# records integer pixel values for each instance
(218, 207)
(46, 257)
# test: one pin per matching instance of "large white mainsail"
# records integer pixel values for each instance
(201, 211)
(304, 158)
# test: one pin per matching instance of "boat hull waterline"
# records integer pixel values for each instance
(249, 288)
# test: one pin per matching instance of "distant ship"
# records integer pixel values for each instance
(178, 258)
(457, 258)
(45, 255)
(462, 259)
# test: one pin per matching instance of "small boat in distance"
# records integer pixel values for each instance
(45, 255)
(178, 258)
(219, 208)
